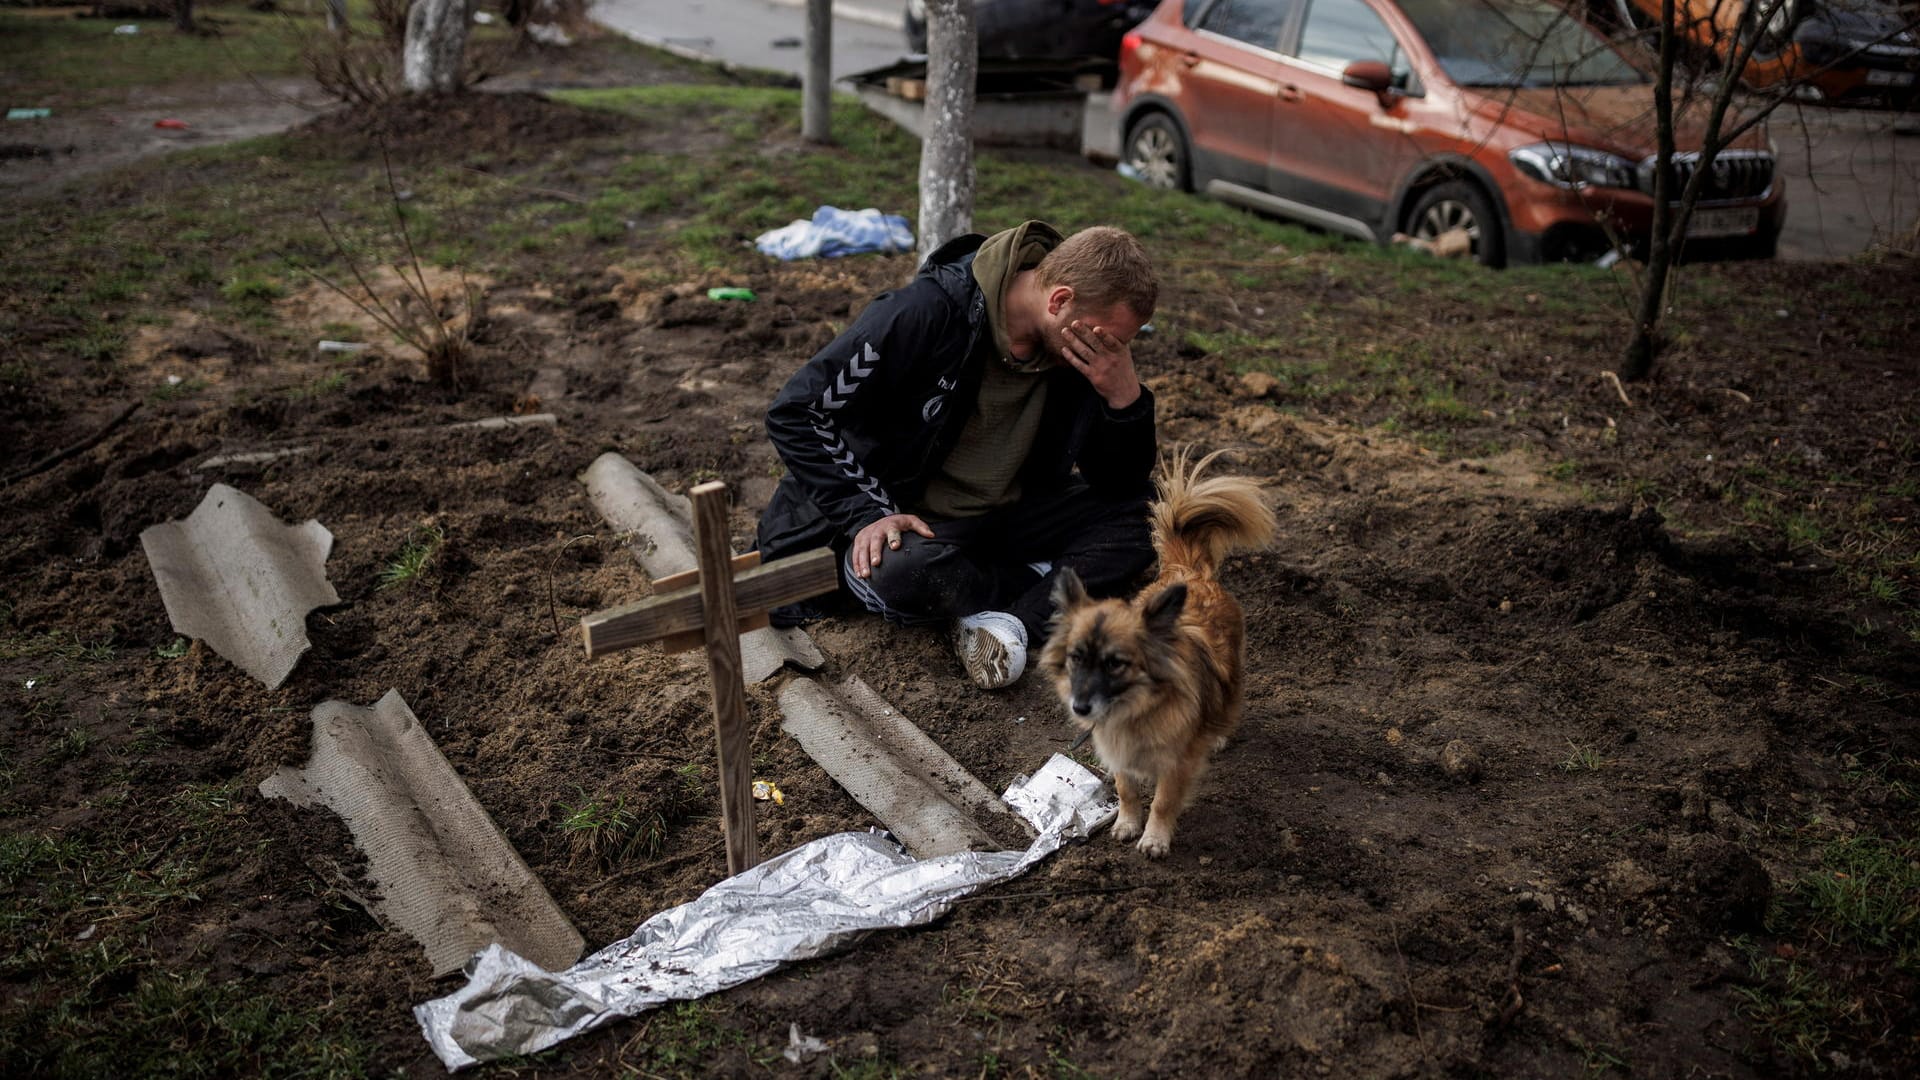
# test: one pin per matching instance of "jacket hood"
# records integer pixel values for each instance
(1000, 259)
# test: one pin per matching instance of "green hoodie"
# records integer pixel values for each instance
(981, 472)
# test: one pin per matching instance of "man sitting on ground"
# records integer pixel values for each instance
(934, 443)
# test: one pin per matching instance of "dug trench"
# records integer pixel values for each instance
(1518, 779)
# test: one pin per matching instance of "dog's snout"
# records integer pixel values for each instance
(1082, 706)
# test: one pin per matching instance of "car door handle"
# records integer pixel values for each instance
(1191, 59)
(1289, 93)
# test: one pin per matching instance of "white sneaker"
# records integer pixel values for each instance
(992, 646)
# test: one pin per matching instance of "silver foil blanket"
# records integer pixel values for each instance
(816, 899)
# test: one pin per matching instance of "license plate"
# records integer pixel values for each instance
(1717, 221)
(1889, 78)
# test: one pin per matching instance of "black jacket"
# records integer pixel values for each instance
(866, 423)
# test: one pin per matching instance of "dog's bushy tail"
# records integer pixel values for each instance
(1198, 521)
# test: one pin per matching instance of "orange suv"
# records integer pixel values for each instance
(1506, 119)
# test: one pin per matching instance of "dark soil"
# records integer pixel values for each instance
(1660, 724)
(509, 121)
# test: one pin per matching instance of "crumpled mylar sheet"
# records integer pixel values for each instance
(808, 902)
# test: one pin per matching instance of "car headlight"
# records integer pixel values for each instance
(1568, 166)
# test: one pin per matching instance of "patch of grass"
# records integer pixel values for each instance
(1865, 894)
(172, 1024)
(693, 778)
(112, 287)
(70, 744)
(331, 383)
(971, 1003)
(18, 373)
(175, 391)
(56, 645)
(97, 344)
(174, 649)
(1883, 588)
(70, 63)
(608, 832)
(1894, 781)
(1804, 530)
(876, 164)
(203, 804)
(23, 856)
(414, 558)
(1802, 1014)
(1600, 1058)
(1443, 404)
(684, 1036)
(1581, 759)
(250, 289)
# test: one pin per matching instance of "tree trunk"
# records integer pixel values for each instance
(1673, 209)
(183, 16)
(436, 46)
(337, 17)
(946, 145)
(1645, 343)
(816, 109)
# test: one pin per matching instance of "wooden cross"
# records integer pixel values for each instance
(713, 605)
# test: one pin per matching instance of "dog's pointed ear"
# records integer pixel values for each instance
(1161, 613)
(1069, 591)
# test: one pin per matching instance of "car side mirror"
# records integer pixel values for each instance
(1369, 75)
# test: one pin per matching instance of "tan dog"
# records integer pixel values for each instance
(1158, 680)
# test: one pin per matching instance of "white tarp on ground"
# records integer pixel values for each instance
(447, 875)
(234, 577)
(813, 900)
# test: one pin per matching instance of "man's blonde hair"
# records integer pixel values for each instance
(1104, 266)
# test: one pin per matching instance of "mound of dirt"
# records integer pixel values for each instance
(505, 126)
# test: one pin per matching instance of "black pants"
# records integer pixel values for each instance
(980, 563)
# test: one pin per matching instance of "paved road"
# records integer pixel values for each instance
(1851, 178)
(762, 34)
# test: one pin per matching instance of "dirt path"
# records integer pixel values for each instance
(41, 155)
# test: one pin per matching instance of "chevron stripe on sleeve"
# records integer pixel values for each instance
(834, 397)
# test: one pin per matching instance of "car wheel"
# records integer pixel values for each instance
(1460, 204)
(1157, 153)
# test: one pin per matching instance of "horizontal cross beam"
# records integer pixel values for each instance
(688, 640)
(756, 591)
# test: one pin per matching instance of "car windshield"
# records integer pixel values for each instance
(1516, 43)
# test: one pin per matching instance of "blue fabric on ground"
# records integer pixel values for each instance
(834, 232)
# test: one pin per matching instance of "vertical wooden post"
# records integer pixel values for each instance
(723, 667)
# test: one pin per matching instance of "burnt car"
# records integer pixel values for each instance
(1041, 29)
(1845, 51)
